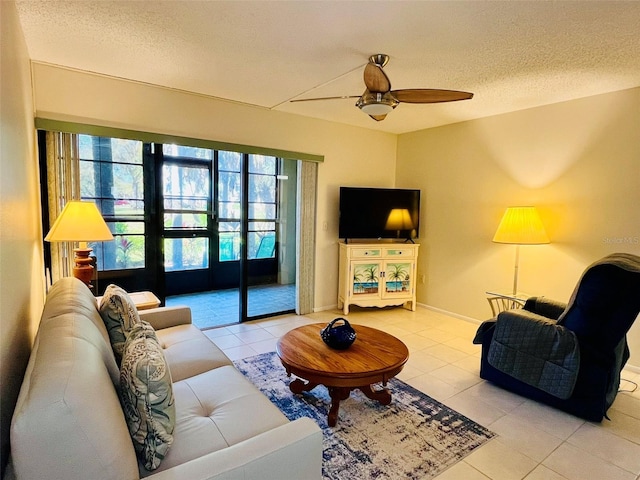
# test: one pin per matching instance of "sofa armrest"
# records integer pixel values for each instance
(545, 307)
(165, 317)
(293, 450)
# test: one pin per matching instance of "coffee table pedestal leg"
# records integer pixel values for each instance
(337, 394)
(298, 386)
(342, 393)
(383, 396)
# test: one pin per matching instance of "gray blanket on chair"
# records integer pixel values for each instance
(536, 351)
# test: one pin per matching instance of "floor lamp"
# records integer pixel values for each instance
(80, 222)
(520, 226)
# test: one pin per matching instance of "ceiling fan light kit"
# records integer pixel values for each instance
(376, 103)
(378, 99)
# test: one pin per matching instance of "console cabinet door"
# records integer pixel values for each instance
(398, 279)
(366, 279)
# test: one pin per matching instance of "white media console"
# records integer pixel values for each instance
(377, 275)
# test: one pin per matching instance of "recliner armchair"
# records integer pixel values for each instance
(568, 356)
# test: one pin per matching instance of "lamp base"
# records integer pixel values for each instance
(83, 269)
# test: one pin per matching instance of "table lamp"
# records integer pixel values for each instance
(80, 222)
(399, 219)
(520, 226)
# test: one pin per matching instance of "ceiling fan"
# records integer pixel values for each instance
(378, 99)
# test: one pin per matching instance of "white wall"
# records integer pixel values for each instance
(353, 156)
(577, 161)
(21, 263)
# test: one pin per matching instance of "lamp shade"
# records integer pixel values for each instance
(399, 219)
(522, 226)
(79, 222)
(376, 108)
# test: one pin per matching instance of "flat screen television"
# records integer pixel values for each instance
(376, 213)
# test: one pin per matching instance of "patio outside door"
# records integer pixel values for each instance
(218, 239)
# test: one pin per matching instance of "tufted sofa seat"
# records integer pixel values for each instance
(68, 422)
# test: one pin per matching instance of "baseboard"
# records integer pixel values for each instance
(423, 305)
(325, 308)
(632, 368)
(451, 314)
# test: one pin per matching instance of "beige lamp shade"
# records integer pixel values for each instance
(79, 222)
(399, 219)
(521, 226)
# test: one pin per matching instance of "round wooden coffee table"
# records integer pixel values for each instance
(374, 357)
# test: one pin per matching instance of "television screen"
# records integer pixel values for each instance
(368, 213)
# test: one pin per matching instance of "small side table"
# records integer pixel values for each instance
(501, 301)
(142, 300)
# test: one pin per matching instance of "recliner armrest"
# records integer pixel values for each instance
(484, 331)
(545, 307)
(522, 314)
(165, 317)
(535, 350)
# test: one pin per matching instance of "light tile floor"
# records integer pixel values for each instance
(534, 442)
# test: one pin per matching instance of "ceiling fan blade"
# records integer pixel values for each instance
(428, 95)
(375, 79)
(378, 118)
(324, 98)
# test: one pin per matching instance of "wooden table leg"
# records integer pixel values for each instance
(383, 396)
(298, 386)
(337, 394)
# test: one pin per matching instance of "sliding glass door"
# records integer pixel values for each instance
(271, 237)
(270, 246)
(223, 230)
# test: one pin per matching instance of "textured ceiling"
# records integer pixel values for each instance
(511, 55)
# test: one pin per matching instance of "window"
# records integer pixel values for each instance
(262, 171)
(261, 241)
(111, 176)
(229, 188)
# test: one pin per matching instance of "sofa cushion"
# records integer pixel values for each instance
(215, 410)
(189, 352)
(147, 395)
(119, 314)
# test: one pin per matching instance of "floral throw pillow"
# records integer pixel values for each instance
(119, 314)
(146, 394)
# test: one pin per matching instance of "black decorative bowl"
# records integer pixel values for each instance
(339, 337)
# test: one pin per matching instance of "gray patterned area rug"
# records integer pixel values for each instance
(413, 437)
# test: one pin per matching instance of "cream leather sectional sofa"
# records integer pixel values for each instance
(68, 423)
